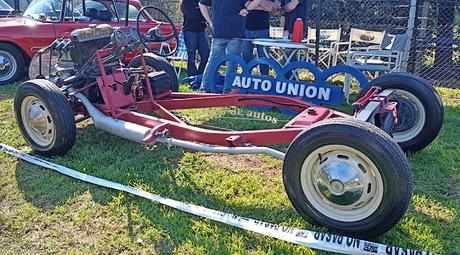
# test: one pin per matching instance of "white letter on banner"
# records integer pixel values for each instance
(293, 89)
(311, 92)
(324, 94)
(237, 82)
(302, 90)
(280, 87)
(256, 83)
(246, 82)
(266, 85)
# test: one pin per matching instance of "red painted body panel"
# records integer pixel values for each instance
(28, 34)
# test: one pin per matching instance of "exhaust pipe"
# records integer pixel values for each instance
(218, 149)
(128, 130)
(137, 133)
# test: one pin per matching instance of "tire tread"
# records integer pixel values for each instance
(65, 121)
(381, 140)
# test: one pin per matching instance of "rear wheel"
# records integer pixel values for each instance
(11, 64)
(420, 110)
(45, 117)
(348, 176)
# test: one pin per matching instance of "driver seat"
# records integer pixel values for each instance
(104, 15)
(91, 13)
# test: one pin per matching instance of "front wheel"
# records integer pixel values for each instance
(45, 117)
(348, 176)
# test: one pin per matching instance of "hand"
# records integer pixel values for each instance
(244, 12)
(277, 7)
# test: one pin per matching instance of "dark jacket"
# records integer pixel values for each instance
(193, 19)
(226, 18)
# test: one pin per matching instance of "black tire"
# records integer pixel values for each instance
(57, 113)
(413, 137)
(15, 58)
(158, 64)
(365, 139)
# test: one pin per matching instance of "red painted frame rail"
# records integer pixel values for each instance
(175, 127)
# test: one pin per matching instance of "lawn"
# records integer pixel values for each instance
(42, 212)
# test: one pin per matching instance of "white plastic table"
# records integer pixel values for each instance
(288, 48)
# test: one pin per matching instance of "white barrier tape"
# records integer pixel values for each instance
(315, 240)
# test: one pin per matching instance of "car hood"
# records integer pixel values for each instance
(17, 21)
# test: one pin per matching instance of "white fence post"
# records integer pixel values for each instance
(410, 32)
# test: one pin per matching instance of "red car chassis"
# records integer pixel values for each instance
(124, 107)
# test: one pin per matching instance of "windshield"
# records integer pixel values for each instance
(4, 6)
(132, 12)
(50, 8)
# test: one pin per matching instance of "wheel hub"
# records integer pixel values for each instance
(337, 187)
(37, 120)
(406, 115)
(8, 66)
(339, 183)
(411, 116)
(4, 62)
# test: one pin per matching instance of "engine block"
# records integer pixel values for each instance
(86, 41)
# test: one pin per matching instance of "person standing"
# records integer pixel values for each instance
(257, 26)
(228, 28)
(195, 37)
(293, 10)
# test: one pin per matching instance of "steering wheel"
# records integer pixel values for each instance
(154, 35)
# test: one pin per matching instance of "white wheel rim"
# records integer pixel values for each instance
(8, 66)
(420, 116)
(341, 183)
(37, 121)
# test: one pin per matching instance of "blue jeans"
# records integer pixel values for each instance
(248, 47)
(220, 47)
(196, 41)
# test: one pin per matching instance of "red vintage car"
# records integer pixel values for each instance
(46, 20)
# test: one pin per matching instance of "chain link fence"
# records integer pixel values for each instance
(434, 26)
(435, 51)
(390, 16)
(379, 15)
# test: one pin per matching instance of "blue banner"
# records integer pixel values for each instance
(311, 92)
(319, 91)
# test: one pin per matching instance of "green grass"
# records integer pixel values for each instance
(42, 212)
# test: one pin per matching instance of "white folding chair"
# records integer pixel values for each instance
(179, 56)
(359, 40)
(386, 60)
(328, 39)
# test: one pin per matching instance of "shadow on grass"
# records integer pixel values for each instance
(165, 172)
(156, 171)
(8, 91)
